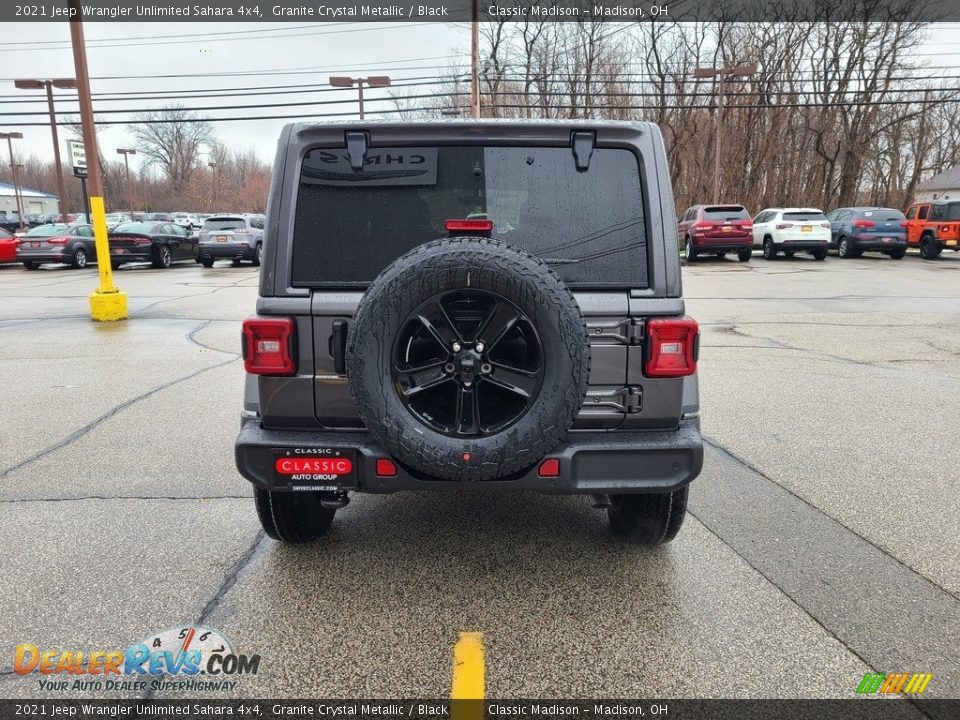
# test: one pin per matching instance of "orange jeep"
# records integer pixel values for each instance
(933, 226)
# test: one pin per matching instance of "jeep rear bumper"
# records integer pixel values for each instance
(591, 463)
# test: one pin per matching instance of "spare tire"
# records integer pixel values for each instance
(468, 359)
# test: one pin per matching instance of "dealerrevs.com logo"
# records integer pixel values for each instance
(189, 658)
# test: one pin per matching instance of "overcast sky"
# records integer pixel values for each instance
(409, 50)
(272, 50)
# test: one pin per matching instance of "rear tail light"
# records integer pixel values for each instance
(864, 223)
(268, 346)
(825, 225)
(57, 241)
(672, 347)
(747, 225)
(703, 226)
(904, 223)
(784, 226)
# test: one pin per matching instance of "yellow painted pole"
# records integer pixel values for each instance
(106, 302)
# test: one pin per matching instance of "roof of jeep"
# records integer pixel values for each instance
(305, 128)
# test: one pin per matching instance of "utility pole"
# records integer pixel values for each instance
(213, 184)
(720, 74)
(10, 137)
(107, 302)
(474, 62)
(48, 85)
(127, 152)
(373, 81)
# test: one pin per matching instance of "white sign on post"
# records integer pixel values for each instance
(78, 157)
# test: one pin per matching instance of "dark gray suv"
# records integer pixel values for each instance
(493, 305)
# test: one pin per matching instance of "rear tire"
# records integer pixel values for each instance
(292, 516)
(820, 254)
(845, 249)
(206, 262)
(79, 258)
(31, 264)
(648, 519)
(164, 258)
(258, 255)
(769, 251)
(744, 255)
(929, 248)
(689, 252)
(898, 254)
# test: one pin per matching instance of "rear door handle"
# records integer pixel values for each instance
(338, 346)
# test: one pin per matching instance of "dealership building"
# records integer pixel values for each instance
(34, 201)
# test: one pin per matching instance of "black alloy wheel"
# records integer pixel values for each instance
(467, 363)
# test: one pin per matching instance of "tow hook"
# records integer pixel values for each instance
(601, 502)
(334, 500)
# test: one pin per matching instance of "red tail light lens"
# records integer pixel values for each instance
(784, 226)
(864, 223)
(904, 223)
(549, 468)
(268, 346)
(386, 468)
(468, 226)
(672, 347)
(57, 241)
(703, 226)
(747, 225)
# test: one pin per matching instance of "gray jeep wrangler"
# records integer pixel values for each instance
(493, 305)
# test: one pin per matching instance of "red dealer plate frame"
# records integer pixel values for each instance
(327, 469)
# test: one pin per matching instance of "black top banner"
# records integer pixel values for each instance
(528, 11)
(861, 709)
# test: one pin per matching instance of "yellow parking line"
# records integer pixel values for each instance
(468, 668)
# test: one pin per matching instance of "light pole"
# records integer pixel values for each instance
(10, 137)
(107, 302)
(127, 152)
(720, 74)
(61, 84)
(373, 81)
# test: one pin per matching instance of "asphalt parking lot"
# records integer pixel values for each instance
(823, 541)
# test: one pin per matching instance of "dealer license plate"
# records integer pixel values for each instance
(328, 469)
(806, 228)
(221, 238)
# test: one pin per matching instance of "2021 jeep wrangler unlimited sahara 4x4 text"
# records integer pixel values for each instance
(471, 304)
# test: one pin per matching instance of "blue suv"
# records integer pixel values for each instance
(876, 229)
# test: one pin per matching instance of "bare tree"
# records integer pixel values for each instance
(171, 139)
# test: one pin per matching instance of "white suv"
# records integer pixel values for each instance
(187, 221)
(792, 230)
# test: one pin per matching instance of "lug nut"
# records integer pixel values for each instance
(456, 347)
(479, 347)
(467, 383)
(486, 368)
(449, 367)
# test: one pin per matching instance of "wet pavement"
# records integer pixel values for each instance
(823, 538)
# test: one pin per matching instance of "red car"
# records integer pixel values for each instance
(716, 230)
(8, 247)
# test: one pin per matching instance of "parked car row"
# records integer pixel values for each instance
(721, 229)
(233, 236)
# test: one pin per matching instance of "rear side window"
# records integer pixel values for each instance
(588, 226)
(949, 211)
(726, 212)
(224, 224)
(804, 216)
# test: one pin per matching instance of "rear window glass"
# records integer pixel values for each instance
(224, 224)
(726, 212)
(882, 214)
(804, 216)
(588, 226)
(46, 230)
(133, 227)
(948, 211)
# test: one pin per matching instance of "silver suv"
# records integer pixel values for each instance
(234, 237)
(493, 305)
